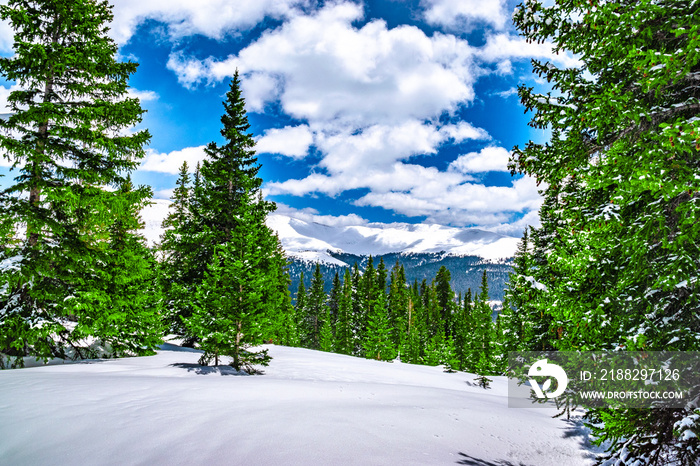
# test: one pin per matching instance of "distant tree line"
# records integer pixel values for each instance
(378, 315)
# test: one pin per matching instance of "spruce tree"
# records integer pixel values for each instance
(65, 139)
(344, 322)
(358, 310)
(619, 175)
(397, 303)
(178, 274)
(417, 330)
(445, 298)
(326, 338)
(241, 291)
(300, 309)
(121, 303)
(515, 303)
(314, 311)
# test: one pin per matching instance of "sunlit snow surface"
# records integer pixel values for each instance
(309, 408)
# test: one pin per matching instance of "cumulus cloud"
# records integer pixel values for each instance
(311, 215)
(518, 226)
(368, 98)
(171, 162)
(374, 158)
(454, 14)
(488, 159)
(322, 68)
(460, 203)
(210, 18)
(4, 95)
(292, 141)
(507, 93)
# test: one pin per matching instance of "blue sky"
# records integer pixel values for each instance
(376, 111)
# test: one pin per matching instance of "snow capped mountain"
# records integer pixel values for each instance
(312, 241)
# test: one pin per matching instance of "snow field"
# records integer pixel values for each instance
(309, 408)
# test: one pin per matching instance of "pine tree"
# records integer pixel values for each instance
(416, 332)
(397, 303)
(334, 299)
(300, 309)
(620, 181)
(121, 303)
(178, 275)
(326, 338)
(314, 311)
(515, 310)
(229, 311)
(241, 290)
(358, 310)
(281, 325)
(445, 298)
(65, 139)
(344, 322)
(482, 357)
(463, 328)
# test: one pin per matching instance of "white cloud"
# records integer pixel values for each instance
(504, 46)
(210, 18)
(373, 158)
(322, 69)
(454, 14)
(143, 96)
(171, 162)
(311, 215)
(369, 99)
(460, 203)
(517, 227)
(488, 159)
(507, 93)
(164, 193)
(504, 67)
(4, 95)
(292, 141)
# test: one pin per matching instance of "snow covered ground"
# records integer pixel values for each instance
(309, 408)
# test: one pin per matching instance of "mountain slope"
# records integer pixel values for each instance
(422, 249)
(309, 408)
(300, 238)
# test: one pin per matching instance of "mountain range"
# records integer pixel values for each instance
(422, 249)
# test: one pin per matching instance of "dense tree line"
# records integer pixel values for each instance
(378, 315)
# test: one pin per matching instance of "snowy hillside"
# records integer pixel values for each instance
(312, 241)
(309, 408)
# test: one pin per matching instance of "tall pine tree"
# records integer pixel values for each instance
(65, 138)
(240, 292)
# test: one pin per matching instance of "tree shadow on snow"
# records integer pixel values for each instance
(208, 370)
(472, 461)
(576, 429)
(165, 346)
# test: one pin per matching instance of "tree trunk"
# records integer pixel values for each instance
(42, 136)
